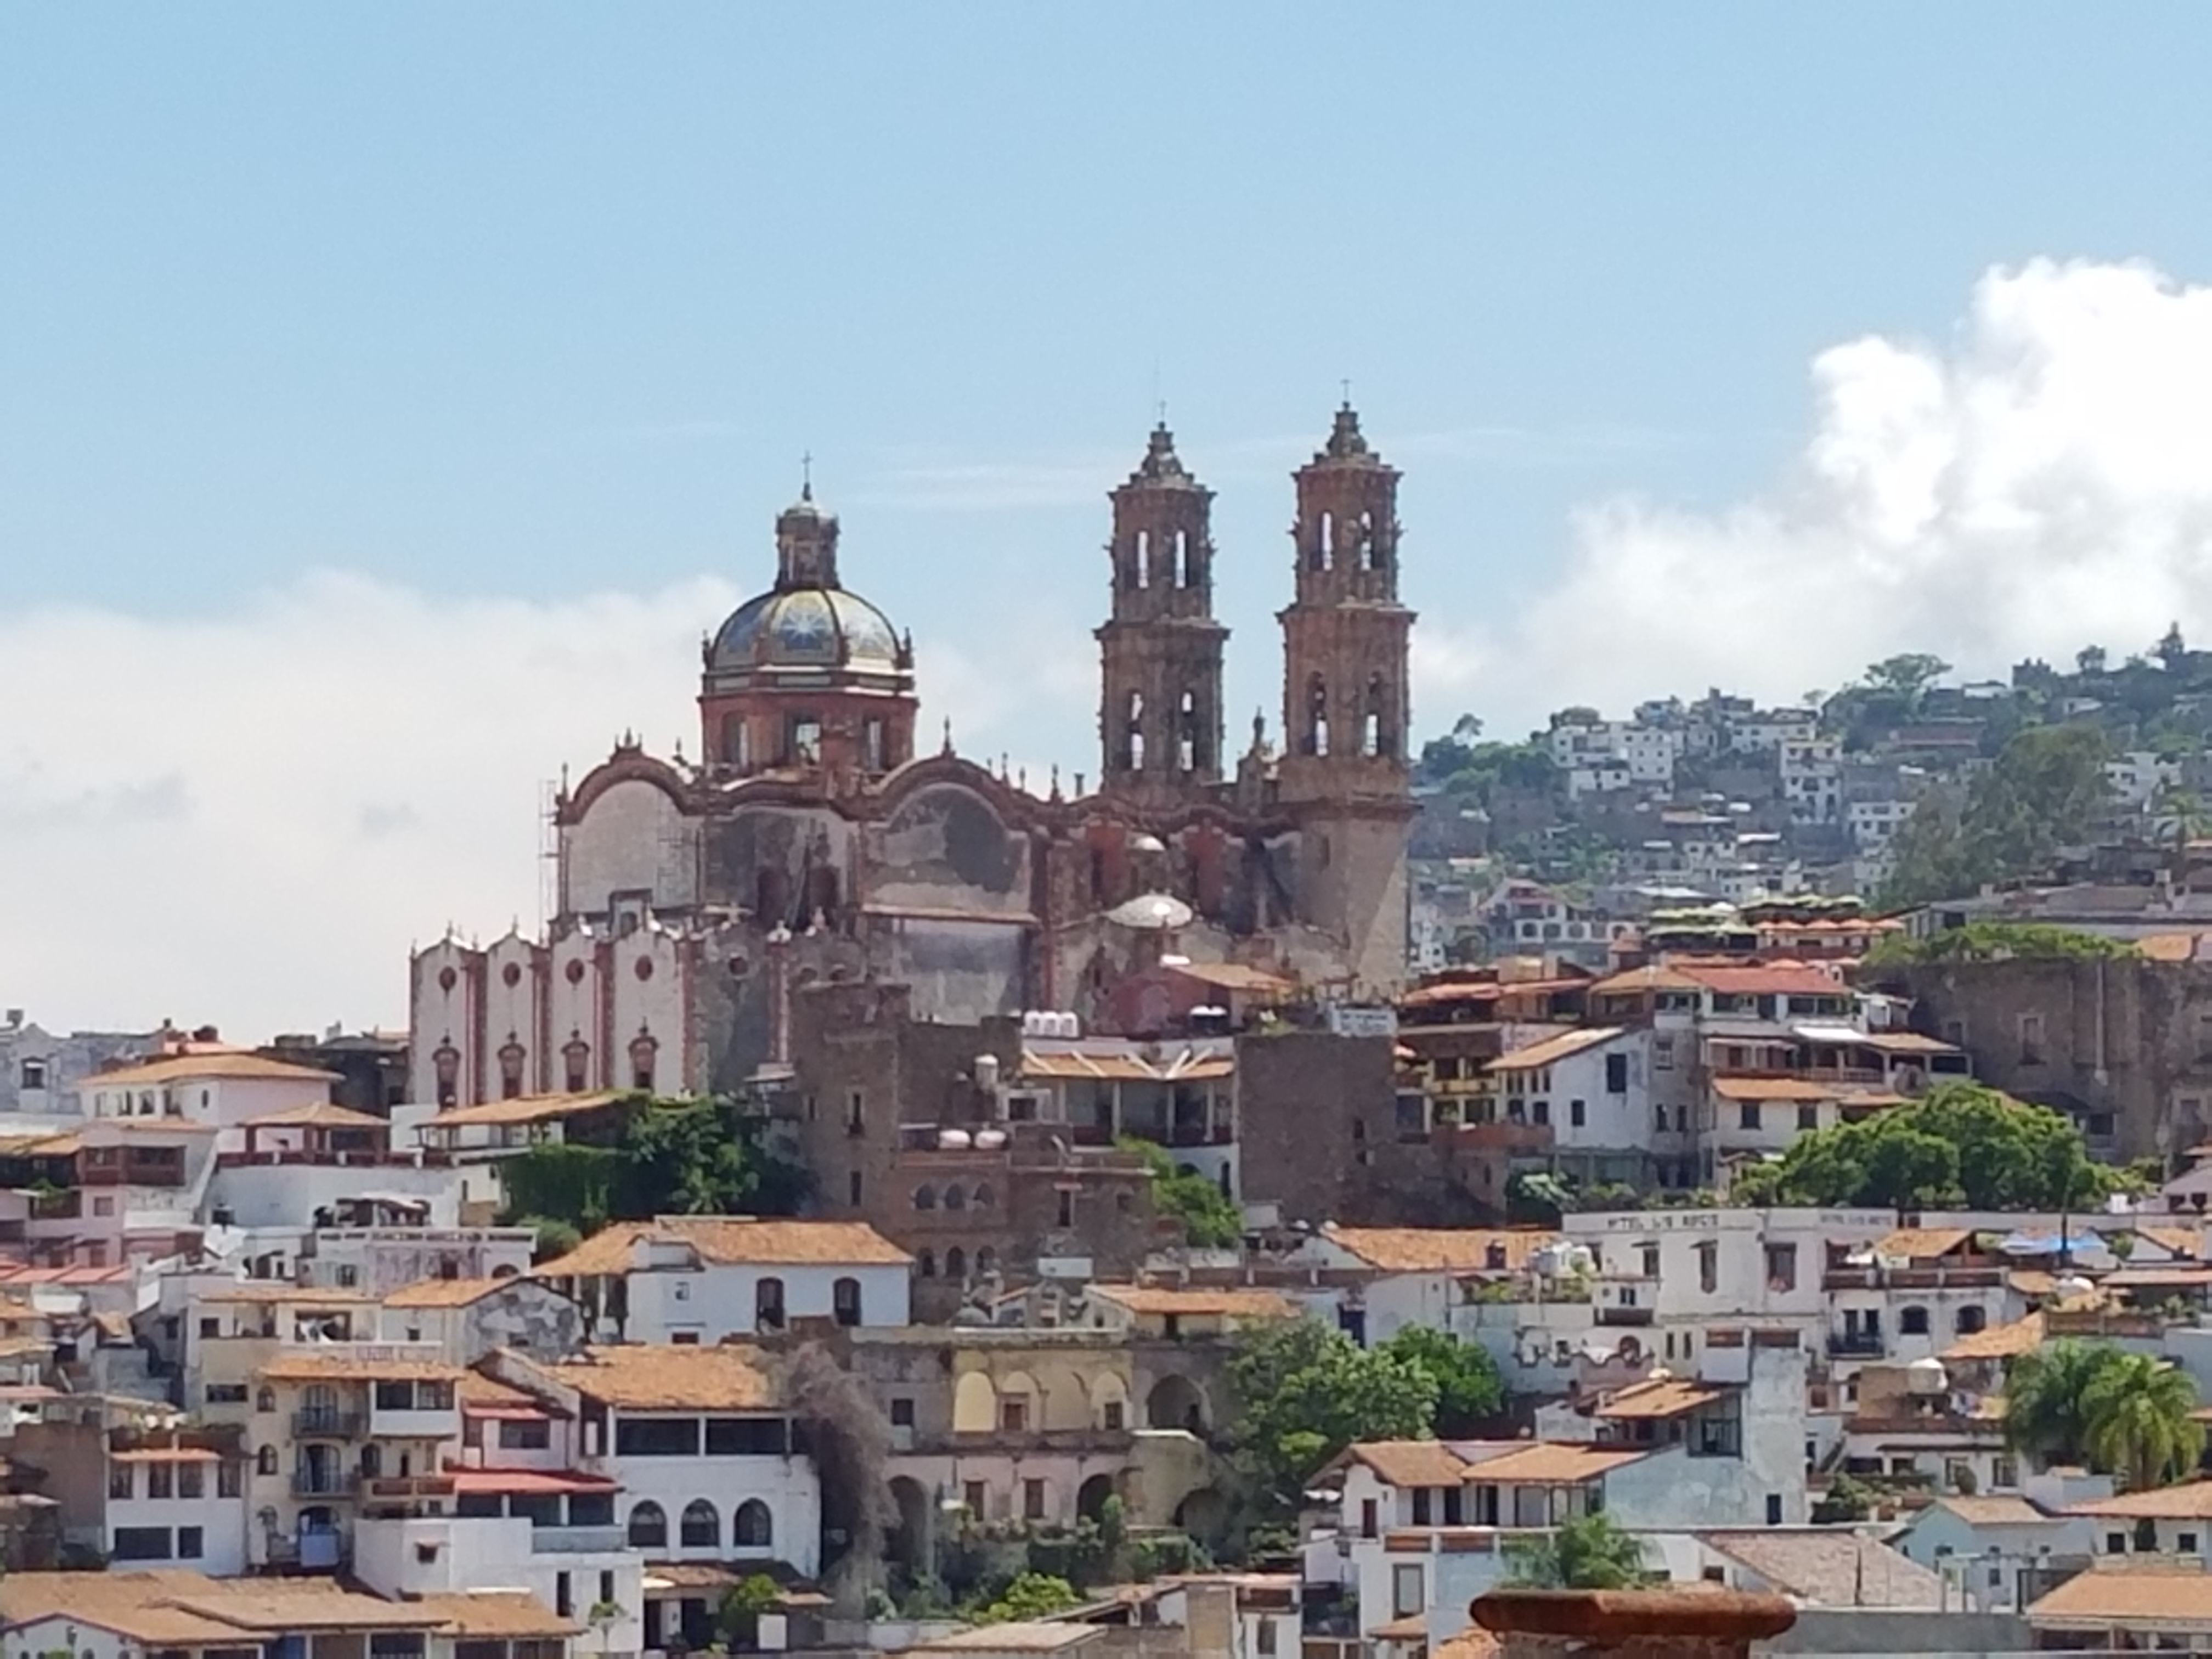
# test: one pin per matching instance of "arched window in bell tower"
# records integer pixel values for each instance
(1187, 753)
(1185, 575)
(1324, 542)
(1317, 733)
(736, 747)
(1369, 558)
(1141, 571)
(1376, 740)
(1133, 732)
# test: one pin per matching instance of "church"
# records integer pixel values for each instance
(812, 844)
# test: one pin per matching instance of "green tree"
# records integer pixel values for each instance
(1468, 1387)
(1210, 1218)
(1030, 1596)
(1305, 1391)
(737, 1615)
(2046, 1399)
(555, 1238)
(1907, 676)
(1997, 941)
(2043, 792)
(1591, 1553)
(667, 1157)
(2139, 1427)
(1960, 1143)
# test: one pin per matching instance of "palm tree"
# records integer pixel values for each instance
(2138, 1408)
(1591, 1553)
(2045, 1416)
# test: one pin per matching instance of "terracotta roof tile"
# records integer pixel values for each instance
(447, 1292)
(1411, 1462)
(1921, 1244)
(1550, 1463)
(1831, 1567)
(524, 1108)
(2164, 1595)
(641, 1377)
(478, 1615)
(316, 1115)
(1664, 1397)
(307, 1366)
(1438, 1249)
(1553, 1049)
(1998, 1512)
(1199, 1301)
(2189, 1501)
(240, 1067)
(734, 1240)
(1472, 1643)
(1998, 1342)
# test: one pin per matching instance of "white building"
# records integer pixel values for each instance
(1813, 779)
(700, 1446)
(703, 1279)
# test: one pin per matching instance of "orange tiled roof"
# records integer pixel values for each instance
(447, 1292)
(734, 1240)
(1411, 1462)
(1199, 1301)
(316, 1115)
(2189, 1501)
(1921, 1244)
(1665, 1396)
(639, 1376)
(2162, 1595)
(1438, 1249)
(524, 1108)
(237, 1066)
(1550, 1463)
(1553, 1049)
(1775, 1088)
(309, 1366)
(1998, 1342)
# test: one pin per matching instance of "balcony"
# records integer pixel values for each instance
(1857, 1345)
(324, 1482)
(578, 1540)
(389, 1488)
(1500, 1137)
(1620, 1314)
(1977, 1278)
(328, 1423)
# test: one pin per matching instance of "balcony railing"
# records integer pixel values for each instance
(327, 1483)
(329, 1423)
(1857, 1345)
(577, 1540)
(1978, 1277)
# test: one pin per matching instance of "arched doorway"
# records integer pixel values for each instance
(1176, 1403)
(1203, 1515)
(907, 1545)
(1091, 1497)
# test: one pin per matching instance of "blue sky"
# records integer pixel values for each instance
(502, 310)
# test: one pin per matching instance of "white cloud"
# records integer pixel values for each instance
(2042, 483)
(248, 818)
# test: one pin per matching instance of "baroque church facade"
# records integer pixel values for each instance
(813, 844)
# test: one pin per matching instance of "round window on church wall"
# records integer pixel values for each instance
(645, 967)
(739, 967)
(576, 971)
(511, 975)
(446, 979)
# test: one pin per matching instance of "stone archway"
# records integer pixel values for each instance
(1090, 1498)
(1177, 1402)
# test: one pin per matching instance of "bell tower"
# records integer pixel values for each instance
(1159, 719)
(1347, 703)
